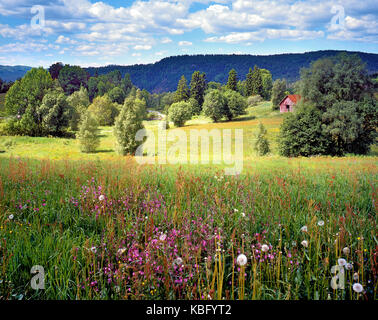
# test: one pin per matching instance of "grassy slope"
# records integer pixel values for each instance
(57, 148)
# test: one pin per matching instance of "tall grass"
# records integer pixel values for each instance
(116, 230)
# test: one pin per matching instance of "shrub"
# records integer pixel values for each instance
(215, 105)
(87, 135)
(179, 113)
(301, 133)
(262, 144)
(236, 104)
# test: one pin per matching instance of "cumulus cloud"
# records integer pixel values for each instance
(185, 43)
(95, 27)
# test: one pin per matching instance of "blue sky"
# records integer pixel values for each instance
(95, 33)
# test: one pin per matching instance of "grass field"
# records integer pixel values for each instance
(104, 227)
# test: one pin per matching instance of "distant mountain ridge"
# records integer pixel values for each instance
(12, 73)
(164, 75)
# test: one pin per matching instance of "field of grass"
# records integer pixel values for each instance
(57, 148)
(104, 227)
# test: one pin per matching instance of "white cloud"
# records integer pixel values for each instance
(65, 40)
(142, 47)
(93, 27)
(185, 43)
(288, 34)
(166, 40)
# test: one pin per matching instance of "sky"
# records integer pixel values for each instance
(97, 33)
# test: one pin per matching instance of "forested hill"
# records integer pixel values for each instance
(12, 73)
(164, 75)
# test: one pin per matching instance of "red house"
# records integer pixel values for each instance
(288, 103)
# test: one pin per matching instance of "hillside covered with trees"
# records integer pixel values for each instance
(163, 76)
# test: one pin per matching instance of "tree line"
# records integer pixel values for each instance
(337, 113)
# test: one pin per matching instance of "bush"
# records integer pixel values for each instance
(301, 133)
(87, 135)
(236, 104)
(215, 105)
(262, 144)
(179, 113)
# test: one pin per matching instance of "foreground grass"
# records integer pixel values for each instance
(117, 230)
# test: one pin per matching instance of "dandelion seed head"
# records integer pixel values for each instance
(320, 223)
(341, 262)
(349, 266)
(346, 250)
(241, 260)
(357, 287)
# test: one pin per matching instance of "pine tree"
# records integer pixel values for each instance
(248, 83)
(87, 135)
(262, 144)
(127, 124)
(198, 87)
(182, 93)
(257, 85)
(232, 83)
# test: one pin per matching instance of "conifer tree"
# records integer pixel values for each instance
(257, 85)
(262, 144)
(248, 83)
(198, 87)
(182, 92)
(232, 83)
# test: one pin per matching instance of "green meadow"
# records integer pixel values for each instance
(104, 227)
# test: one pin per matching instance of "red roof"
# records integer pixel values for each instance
(293, 97)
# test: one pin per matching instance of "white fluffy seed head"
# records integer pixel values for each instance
(264, 248)
(241, 260)
(346, 250)
(349, 266)
(357, 287)
(341, 262)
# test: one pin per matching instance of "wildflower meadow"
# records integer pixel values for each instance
(302, 228)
